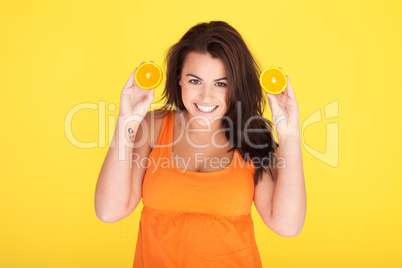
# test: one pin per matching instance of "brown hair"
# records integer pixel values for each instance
(222, 41)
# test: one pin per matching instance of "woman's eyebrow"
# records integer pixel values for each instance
(203, 79)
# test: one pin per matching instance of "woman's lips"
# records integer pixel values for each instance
(204, 112)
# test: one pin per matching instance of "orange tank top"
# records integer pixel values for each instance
(194, 219)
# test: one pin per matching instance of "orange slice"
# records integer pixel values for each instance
(273, 80)
(148, 75)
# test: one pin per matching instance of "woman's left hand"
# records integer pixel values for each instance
(285, 111)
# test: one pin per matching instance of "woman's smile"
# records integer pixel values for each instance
(206, 109)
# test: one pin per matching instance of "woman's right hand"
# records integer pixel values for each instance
(135, 100)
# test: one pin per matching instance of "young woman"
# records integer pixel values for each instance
(200, 161)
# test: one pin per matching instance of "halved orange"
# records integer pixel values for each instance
(148, 75)
(273, 80)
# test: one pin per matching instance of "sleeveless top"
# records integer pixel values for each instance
(195, 219)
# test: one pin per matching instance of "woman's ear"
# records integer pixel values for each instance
(180, 82)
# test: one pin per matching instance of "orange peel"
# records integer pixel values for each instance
(148, 75)
(273, 80)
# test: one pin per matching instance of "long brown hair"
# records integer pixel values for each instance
(222, 41)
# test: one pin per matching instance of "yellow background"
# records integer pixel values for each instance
(55, 55)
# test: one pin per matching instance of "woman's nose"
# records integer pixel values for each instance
(207, 93)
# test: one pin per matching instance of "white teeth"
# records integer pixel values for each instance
(206, 108)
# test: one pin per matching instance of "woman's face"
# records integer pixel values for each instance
(204, 87)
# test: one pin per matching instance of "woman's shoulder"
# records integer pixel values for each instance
(153, 121)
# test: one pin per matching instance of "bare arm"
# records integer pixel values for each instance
(289, 197)
(282, 202)
(119, 182)
(118, 188)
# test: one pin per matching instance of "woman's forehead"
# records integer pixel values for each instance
(203, 64)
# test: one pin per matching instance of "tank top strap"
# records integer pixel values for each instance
(166, 133)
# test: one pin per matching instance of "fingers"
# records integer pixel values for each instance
(131, 79)
(150, 97)
(269, 99)
(151, 93)
(272, 101)
(289, 90)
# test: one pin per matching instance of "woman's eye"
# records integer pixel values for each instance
(194, 81)
(220, 84)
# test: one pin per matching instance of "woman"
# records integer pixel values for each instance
(209, 153)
